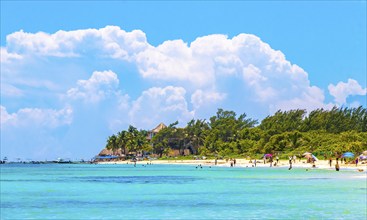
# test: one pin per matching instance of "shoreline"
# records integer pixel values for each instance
(244, 163)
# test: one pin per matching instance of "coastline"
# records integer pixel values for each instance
(321, 164)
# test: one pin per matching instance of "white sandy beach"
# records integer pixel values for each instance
(320, 164)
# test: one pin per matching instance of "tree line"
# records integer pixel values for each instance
(226, 134)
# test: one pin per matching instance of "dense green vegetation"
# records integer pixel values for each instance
(131, 140)
(322, 132)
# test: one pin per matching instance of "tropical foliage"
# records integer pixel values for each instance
(323, 132)
(131, 140)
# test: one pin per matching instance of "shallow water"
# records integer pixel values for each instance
(88, 191)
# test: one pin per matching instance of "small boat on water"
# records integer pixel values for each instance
(60, 160)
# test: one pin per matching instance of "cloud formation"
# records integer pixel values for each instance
(134, 82)
(200, 98)
(36, 117)
(156, 104)
(341, 91)
(7, 57)
(99, 86)
(204, 68)
(109, 41)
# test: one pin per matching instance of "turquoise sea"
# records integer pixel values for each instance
(89, 191)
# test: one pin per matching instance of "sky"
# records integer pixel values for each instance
(74, 73)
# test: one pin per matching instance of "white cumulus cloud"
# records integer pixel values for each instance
(7, 57)
(210, 60)
(200, 98)
(174, 60)
(341, 91)
(245, 68)
(99, 86)
(160, 105)
(36, 117)
(311, 99)
(108, 41)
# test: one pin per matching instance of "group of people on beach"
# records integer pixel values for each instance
(337, 166)
(292, 159)
(273, 160)
(233, 162)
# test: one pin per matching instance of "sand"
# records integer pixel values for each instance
(320, 164)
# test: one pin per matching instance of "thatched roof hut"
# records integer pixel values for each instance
(105, 152)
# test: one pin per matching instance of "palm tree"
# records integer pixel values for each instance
(142, 143)
(196, 132)
(131, 138)
(112, 143)
(122, 139)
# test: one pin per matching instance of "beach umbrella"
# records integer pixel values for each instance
(348, 155)
(314, 157)
(363, 157)
(307, 155)
(268, 155)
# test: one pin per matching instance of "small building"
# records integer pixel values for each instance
(153, 132)
(109, 155)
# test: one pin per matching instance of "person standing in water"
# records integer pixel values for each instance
(290, 162)
(337, 166)
(271, 161)
(330, 161)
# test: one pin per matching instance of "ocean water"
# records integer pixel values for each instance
(88, 191)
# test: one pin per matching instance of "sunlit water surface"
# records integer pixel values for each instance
(88, 191)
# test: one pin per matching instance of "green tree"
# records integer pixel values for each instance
(131, 139)
(195, 133)
(112, 143)
(323, 132)
(122, 140)
(283, 121)
(163, 138)
(142, 143)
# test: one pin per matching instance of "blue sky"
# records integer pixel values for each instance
(73, 73)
